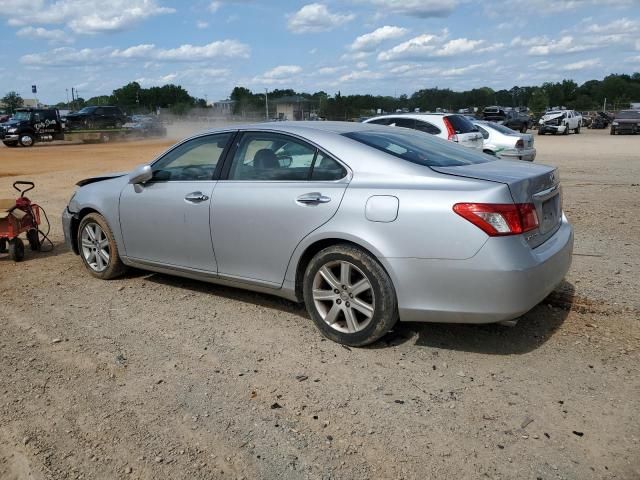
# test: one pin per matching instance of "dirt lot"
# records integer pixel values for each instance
(158, 377)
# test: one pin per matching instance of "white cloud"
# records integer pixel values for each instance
(282, 71)
(223, 48)
(360, 75)
(564, 45)
(214, 6)
(622, 25)
(582, 65)
(316, 17)
(53, 36)
(202, 25)
(329, 70)
(428, 46)
(369, 41)
(81, 16)
(67, 56)
(415, 8)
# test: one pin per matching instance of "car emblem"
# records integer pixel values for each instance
(552, 177)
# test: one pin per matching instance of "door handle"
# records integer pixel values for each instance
(196, 197)
(313, 198)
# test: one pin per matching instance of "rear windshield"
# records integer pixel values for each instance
(628, 114)
(501, 128)
(461, 124)
(416, 147)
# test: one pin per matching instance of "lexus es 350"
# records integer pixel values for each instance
(365, 224)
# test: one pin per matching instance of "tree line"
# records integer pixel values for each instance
(618, 89)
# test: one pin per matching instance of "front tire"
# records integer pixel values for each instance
(349, 296)
(98, 248)
(27, 140)
(577, 131)
(16, 249)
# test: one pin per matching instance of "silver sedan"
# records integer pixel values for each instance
(505, 143)
(365, 224)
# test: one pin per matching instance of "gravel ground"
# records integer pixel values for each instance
(152, 376)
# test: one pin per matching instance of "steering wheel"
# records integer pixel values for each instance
(193, 172)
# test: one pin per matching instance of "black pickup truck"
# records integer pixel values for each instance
(30, 125)
(510, 118)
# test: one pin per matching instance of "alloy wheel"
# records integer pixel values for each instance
(95, 247)
(343, 296)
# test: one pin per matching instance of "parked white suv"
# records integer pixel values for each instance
(560, 121)
(449, 126)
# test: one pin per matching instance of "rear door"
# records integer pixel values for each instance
(166, 221)
(277, 189)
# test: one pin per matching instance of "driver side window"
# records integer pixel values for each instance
(195, 160)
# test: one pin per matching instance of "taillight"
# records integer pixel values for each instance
(520, 144)
(499, 219)
(451, 133)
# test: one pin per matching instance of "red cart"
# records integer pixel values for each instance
(16, 217)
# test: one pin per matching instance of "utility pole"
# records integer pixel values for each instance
(67, 90)
(604, 107)
(266, 102)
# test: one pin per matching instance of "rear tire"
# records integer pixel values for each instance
(612, 131)
(566, 130)
(34, 240)
(98, 248)
(577, 131)
(349, 296)
(16, 250)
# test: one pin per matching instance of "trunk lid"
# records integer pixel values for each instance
(528, 183)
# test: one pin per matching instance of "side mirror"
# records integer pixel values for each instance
(140, 174)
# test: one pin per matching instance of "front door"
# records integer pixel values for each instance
(278, 190)
(166, 220)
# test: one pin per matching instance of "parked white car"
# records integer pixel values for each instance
(560, 121)
(505, 143)
(450, 126)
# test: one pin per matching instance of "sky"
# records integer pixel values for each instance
(387, 47)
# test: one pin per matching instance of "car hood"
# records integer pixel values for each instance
(100, 178)
(551, 116)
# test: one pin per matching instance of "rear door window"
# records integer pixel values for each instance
(272, 157)
(404, 122)
(427, 127)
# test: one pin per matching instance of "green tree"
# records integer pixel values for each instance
(539, 101)
(12, 100)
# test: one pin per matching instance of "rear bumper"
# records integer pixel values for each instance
(504, 280)
(526, 154)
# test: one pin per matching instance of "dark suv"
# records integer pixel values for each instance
(96, 117)
(626, 121)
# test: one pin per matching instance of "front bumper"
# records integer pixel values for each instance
(9, 137)
(503, 281)
(552, 128)
(68, 220)
(526, 154)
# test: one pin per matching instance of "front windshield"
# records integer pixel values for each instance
(87, 110)
(22, 115)
(554, 112)
(418, 147)
(628, 114)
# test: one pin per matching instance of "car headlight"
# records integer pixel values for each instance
(615, 124)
